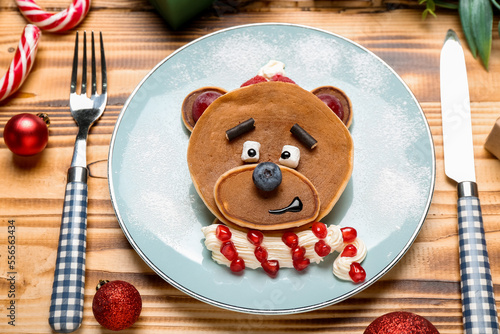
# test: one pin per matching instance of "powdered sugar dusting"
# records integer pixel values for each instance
(326, 58)
(392, 187)
(370, 74)
(156, 176)
(238, 56)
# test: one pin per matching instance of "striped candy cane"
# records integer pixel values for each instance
(22, 63)
(61, 21)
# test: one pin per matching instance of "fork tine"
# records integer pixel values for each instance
(103, 67)
(84, 64)
(75, 67)
(94, 79)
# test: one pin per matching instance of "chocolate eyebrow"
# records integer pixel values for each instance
(303, 136)
(240, 129)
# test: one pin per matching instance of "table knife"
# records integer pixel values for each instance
(478, 301)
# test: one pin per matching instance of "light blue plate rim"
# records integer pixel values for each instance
(305, 308)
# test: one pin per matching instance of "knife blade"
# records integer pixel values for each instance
(478, 300)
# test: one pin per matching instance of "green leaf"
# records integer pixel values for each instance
(464, 10)
(482, 29)
(430, 8)
(432, 4)
(446, 4)
(495, 4)
(427, 11)
(477, 23)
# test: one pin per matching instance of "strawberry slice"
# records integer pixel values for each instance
(282, 78)
(254, 80)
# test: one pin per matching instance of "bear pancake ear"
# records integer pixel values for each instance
(338, 102)
(196, 102)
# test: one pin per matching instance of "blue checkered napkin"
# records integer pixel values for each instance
(66, 308)
(478, 301)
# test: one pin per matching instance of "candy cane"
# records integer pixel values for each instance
(60, 21)
(22, 63)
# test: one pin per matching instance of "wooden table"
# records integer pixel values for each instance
(425, 281)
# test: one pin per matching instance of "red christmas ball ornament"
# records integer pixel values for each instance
(401, 323)
(116, 305)
(27, 134)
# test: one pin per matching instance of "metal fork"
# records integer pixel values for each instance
(66, 308)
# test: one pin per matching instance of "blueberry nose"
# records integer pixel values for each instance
(267, 176)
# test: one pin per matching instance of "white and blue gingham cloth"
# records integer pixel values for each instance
(66, 309)
(478, 301)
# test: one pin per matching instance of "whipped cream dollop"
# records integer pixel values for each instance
(272, 68)
(277, 250)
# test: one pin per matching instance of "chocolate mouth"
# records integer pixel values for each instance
(295, 206)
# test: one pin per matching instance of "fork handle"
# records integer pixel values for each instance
(478, 301)
(66, 307)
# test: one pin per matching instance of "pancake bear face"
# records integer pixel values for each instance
(267, 177)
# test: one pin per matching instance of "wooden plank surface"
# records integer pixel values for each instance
(425, 281)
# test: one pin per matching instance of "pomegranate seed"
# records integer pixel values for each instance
(349, 234)
(260, 254)
(349, 251)
(357, 273)
(228, 250)
(322, 249)
(223, 233)
(290, 239)
(237, 265)
(255, 237)
(319, 230)
(298, 253)
(254, 80)
(301, 264)
(271, 267)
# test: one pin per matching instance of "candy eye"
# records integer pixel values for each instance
(290, 156)
(250, 151)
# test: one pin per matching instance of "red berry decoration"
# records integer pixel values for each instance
(349, 234)
(319, 230)
(255, 237)
(202, 102)
(256, 79)
(300, 265)
(322, 248)
(237, 265)
(357, 273)
(116, 305)
(271, 267)
(290, 239)
(333, 103)
(229, 250)
(349, 251)
(260, 254)
(401, 323)
(27, 134)
(298, 253)
(282, 78)
(223, 233)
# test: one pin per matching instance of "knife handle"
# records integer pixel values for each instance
(66, 307)
(478, 300)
